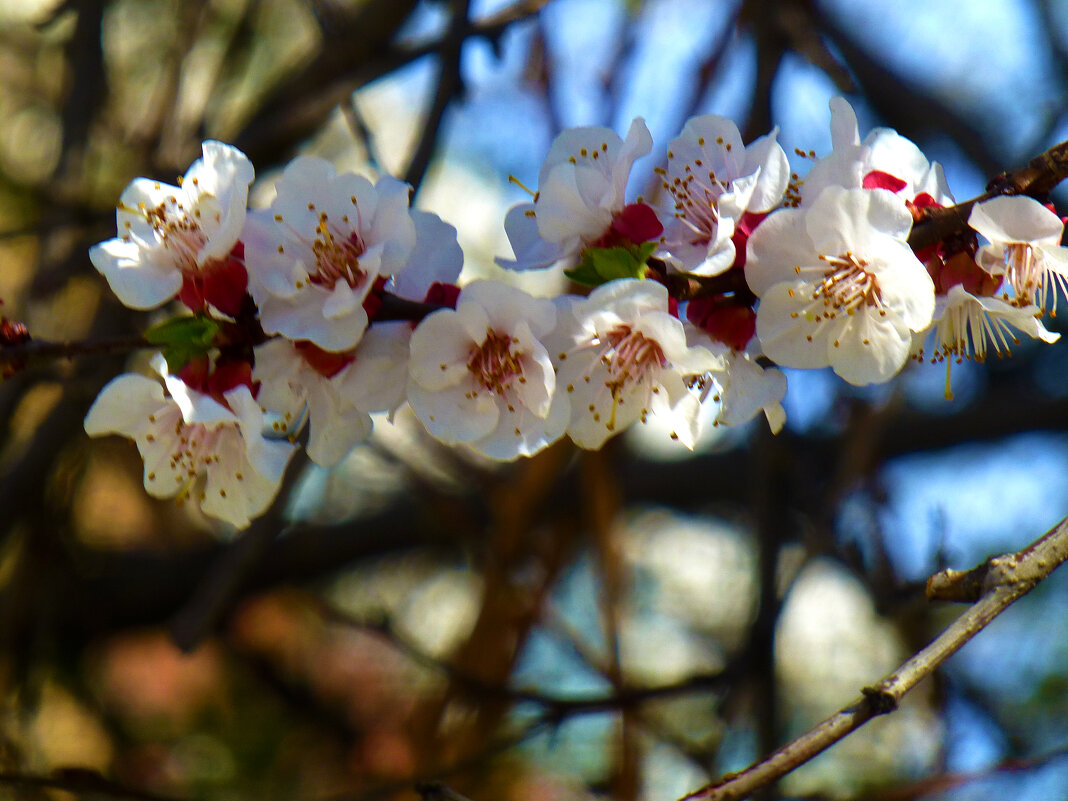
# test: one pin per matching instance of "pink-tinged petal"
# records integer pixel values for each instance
(461, 414)
(278, 372)
(778, 245)
(883, 180)
(138, 282)
(1017, 218)
(1024, 319)
(628, 298)
(342, 301)
(163, 476)
(235, 491)
(572, 141)
(751, 389)
(565, 208)
(144, 194)
(893, 154)
(666, 331)
(393, 224)
(124, 407)
(196, 407)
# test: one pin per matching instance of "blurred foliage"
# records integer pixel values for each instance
(627, 623)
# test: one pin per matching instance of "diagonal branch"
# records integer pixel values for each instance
(1007, 578)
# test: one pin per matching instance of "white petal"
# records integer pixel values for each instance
(522, 433)
(792, 341)
(844, 220)
(377, 380)
(441, 346)
(505, 304)
(335, 427)
(1017, 218)
(778, 245)
(767, 155)
(873, 349)
(455, 414)
(531, 251)
(436, 257)
(225, 173)
(124, 405)
(137, 280)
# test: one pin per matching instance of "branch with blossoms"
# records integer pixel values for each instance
(338, 302)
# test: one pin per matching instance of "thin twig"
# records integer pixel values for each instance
(1008, 578)
(80, 784)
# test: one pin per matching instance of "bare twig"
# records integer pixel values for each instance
(79, 783)
(1008, 578)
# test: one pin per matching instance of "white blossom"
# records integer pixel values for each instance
(178, 240)
(1024, 247)
(292, 386)
(839, 285)
(968, 326)
(581, 192)
(315, 255)
(480, 375)
(194, 446)
(713, 179)
(884, 160)
(621, 356)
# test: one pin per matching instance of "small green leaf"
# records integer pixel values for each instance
(601, 265)
(183, 339)
(584, 274)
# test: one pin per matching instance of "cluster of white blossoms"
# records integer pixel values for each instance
(339, 301)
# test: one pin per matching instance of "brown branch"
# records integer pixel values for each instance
(688, 286)
(450, 85)
(80, 783)
(1036, 180)
(36, 351)
(1009, 577)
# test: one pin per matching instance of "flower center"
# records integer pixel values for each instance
(493, 364)
(179, 231)
(337, 256)
(696, 193)
(629, 357)
(194, 448)
(846, 285)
